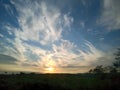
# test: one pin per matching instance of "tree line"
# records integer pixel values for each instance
(114, 68)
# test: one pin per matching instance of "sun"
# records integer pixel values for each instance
(50, 66)
(50, 69)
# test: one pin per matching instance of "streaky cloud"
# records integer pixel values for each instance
(110, 15)
(44, 24)
(5, 59)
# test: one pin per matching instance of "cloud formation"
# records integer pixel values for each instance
(41, 23)
(38, 41)
(110, 17)
(7, 59)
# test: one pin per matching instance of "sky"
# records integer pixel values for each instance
(58, 36)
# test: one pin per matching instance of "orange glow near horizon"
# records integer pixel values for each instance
(50, 65)
(50, 70)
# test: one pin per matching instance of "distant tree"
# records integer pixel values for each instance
(13, 73)
(113, 70)
(90, 71)
(98, 69)
(5, 72)
(32, 73)
(110, 69)
(22, 73)
(116, 64)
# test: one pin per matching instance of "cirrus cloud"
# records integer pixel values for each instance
(38, 41)
(110, 15)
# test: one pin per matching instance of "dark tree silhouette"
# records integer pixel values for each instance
(98, 69)
(109, 69)
(22, 73)
(5, 72)
(116, 64)
(90, 71)
(112, 70)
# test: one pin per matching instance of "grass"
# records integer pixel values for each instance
(60, 82)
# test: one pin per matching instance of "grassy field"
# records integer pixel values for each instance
(60, 82)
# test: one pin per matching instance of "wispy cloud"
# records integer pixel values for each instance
(7, 59)
(1, 36)
(46, 23)
(110, 17)
(39, 42)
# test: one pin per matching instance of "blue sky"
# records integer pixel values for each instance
(58, 36)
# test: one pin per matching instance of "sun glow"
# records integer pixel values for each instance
(50, 65)
(50, 70)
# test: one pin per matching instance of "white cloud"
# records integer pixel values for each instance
(9, 28)
(82, 24)
(110, 14)
(41, 23)
(44, 24)
(69, 54)
(1, 35)
(101, 39)
(9, 9)
(68, 20)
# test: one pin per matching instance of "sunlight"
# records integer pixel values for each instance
(50, 65)
(50, 70)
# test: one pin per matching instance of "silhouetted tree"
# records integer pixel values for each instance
(109, 69)
(32, 73)
(5, 72)
(22, 73)
(90, 71)
(113, 70)
(98, 69)
(116, 64)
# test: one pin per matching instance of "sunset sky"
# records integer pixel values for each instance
(58, 36)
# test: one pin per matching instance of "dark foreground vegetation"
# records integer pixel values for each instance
(60, 81)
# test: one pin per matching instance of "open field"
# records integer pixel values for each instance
(60, 82)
